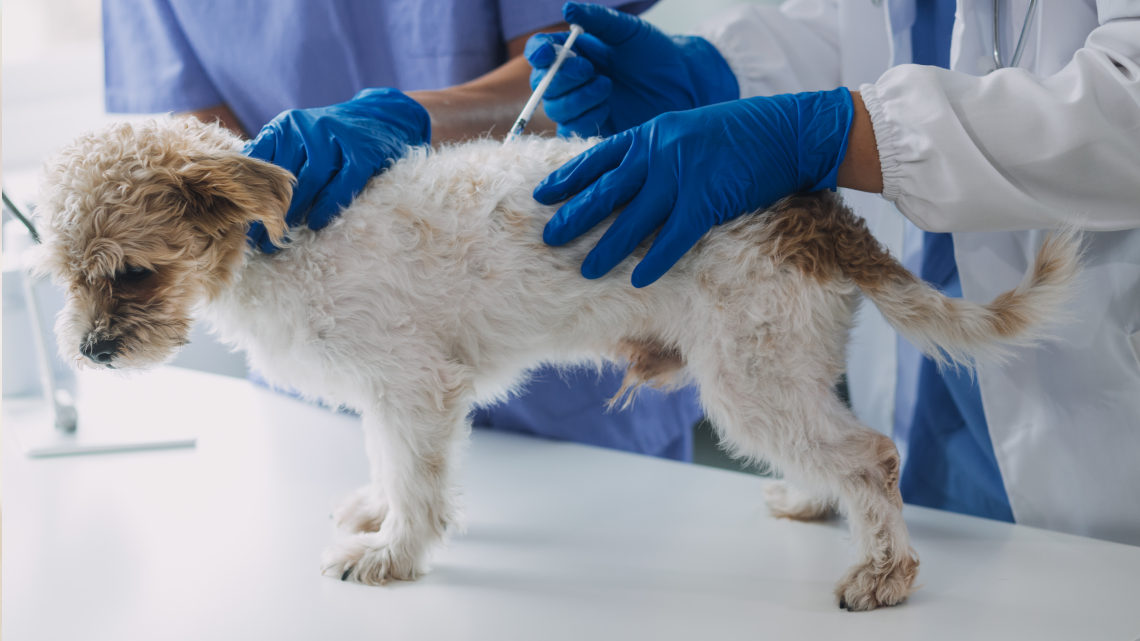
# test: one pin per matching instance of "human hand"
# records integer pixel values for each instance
(333, 151)
(626, 72)
(684, 172)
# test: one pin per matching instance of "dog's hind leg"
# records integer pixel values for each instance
(787, 415)
(410, 434)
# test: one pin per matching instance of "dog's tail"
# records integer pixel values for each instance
(953, 329)
(960, 330)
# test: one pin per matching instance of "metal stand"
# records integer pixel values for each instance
(103, 431)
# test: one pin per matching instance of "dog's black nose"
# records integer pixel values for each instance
(100, 352)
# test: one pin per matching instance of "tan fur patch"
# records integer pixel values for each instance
(818, 235)
(171, 196)
(650, 362)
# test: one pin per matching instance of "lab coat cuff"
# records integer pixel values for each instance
(886, 138)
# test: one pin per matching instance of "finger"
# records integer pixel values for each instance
(573, 105)
(263, 146)
(304, 193)
(258, 238)
(255, 233)
(574, 73)
(610, 26)
(540, 49)
(680, 232)
(312, 182)
(593, 205)
(276, 145)
(592, 123)
(336, 196)
(632, 226)
(594, 50)
(583, 169)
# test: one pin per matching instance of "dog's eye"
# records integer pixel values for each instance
(132, 274)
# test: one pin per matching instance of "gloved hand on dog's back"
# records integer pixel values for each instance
(684, 172)
(333, 151)
(626, 72)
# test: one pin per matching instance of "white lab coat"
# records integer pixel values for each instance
(993, 157)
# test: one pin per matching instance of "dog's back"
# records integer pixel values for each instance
(449, 243)
(446, 243)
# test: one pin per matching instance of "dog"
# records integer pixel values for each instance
(433, 291)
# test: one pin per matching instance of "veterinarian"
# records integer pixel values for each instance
(1011, 123)
(245, 62)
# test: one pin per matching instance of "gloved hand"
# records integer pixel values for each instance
(684, 172)
(334, 150)
(626, 72)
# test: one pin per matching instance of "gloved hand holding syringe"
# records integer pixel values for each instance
(532, 103)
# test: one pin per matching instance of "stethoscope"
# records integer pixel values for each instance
(1019, 48)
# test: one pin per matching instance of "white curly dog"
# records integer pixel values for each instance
(434, 291)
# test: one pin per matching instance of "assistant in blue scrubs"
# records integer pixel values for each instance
(261, 57)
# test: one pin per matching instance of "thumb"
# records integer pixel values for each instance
(264, 146)
(610, 26)
(258, 238)
(541, 49)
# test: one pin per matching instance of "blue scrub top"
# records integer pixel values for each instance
(261, 57)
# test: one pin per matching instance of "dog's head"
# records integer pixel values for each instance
(143, 222)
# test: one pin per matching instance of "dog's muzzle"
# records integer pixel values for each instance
(100, 352)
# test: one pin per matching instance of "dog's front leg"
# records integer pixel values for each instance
(409, 440)
(365, 508)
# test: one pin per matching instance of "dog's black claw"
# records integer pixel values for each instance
(344, 577)
(842, 604)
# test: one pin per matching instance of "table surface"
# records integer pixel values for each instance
(562, 541)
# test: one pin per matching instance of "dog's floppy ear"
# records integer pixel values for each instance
(230, 188)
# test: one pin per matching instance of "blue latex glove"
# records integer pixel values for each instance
(626, 72)
(684, 172)
(334, 150)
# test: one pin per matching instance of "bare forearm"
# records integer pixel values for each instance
(487, 105)
(222, 115)
(860, 169)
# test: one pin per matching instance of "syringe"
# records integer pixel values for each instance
(532, 103)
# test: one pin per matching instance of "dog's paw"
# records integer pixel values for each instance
(871, 585)
(371, 558)
(362, 511)
(789, 503)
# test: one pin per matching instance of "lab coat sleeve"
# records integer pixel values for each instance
(1014, 151)
(785, 49)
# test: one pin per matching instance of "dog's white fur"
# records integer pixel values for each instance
(434, 291)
